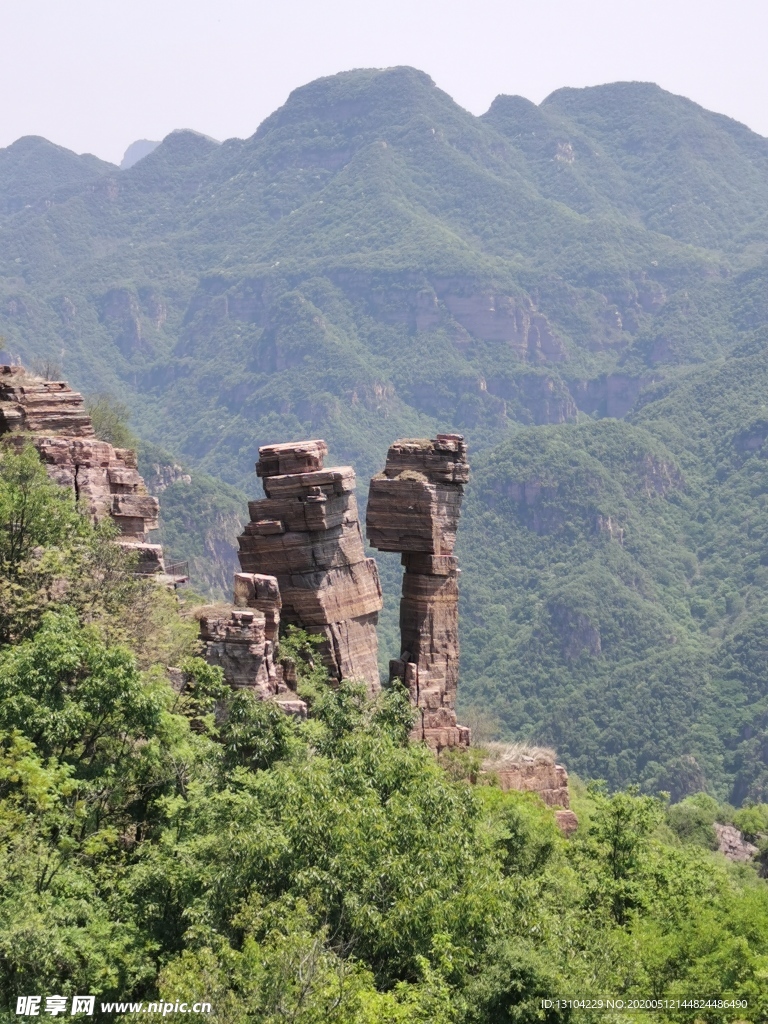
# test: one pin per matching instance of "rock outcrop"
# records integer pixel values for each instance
(732, 844)
(242, 641)
(307, 534)
(533, 770)
(413, 508)
(539, 774)
(103, 479)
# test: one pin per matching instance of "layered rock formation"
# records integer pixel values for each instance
(242, 641)
(103, 479)
(306, 533)
(533, 770)
(413, 508)
(538, 774)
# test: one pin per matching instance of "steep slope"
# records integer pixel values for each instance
(693, 175)
(623, 614)
(401, 219)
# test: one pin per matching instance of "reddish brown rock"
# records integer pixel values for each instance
(567, 822)
(413, 507)
(242, 642)
(34, 406)
(293, 457)
(533, 770)
(306, 533)
(103, 479)
(253, 590)
(538, 774)
(237, 644)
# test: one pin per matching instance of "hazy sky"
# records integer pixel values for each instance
(94, 75)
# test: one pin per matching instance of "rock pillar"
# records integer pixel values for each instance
(413, 508)
(307, 534)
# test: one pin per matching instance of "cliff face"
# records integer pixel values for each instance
(103, 479)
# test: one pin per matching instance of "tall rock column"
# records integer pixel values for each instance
(306, 533)
(413, 508)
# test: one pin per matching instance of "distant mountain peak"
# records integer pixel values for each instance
(191, 131)
(382, 94)
(137, 151)
(179, 140)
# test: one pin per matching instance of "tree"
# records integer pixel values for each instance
(34, 511)
(617, 841)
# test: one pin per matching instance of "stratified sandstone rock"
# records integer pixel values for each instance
(533, 770)
(306, 533)
(413, 508)
(103, 479)
(539, 774)
(242, 642)
(253, 590)
(37, 406)
(294, 457)
(237, 644)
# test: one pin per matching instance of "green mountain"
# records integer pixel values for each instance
(578, 287)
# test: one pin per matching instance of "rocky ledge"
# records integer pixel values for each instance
(104, 480)
(533, 770)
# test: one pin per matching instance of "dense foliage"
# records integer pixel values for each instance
(626, 595)
(192, 844)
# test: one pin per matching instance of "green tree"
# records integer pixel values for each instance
(110, 418)
(618, 841)
(34, 511)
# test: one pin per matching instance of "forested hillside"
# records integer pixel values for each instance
(578, 287)
(165, 839)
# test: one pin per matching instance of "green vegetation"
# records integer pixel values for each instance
(110, 421)
(579, 287)
(202, 845)
(625, 599)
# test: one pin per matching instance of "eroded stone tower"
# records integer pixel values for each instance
(413, 508)
(306, 533)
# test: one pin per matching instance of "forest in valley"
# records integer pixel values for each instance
(578, 287)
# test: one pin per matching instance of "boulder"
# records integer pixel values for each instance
(732, 844)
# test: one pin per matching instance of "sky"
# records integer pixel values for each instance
(95, 75)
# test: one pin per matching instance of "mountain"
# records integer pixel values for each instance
(137, 151)
(579, 287)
